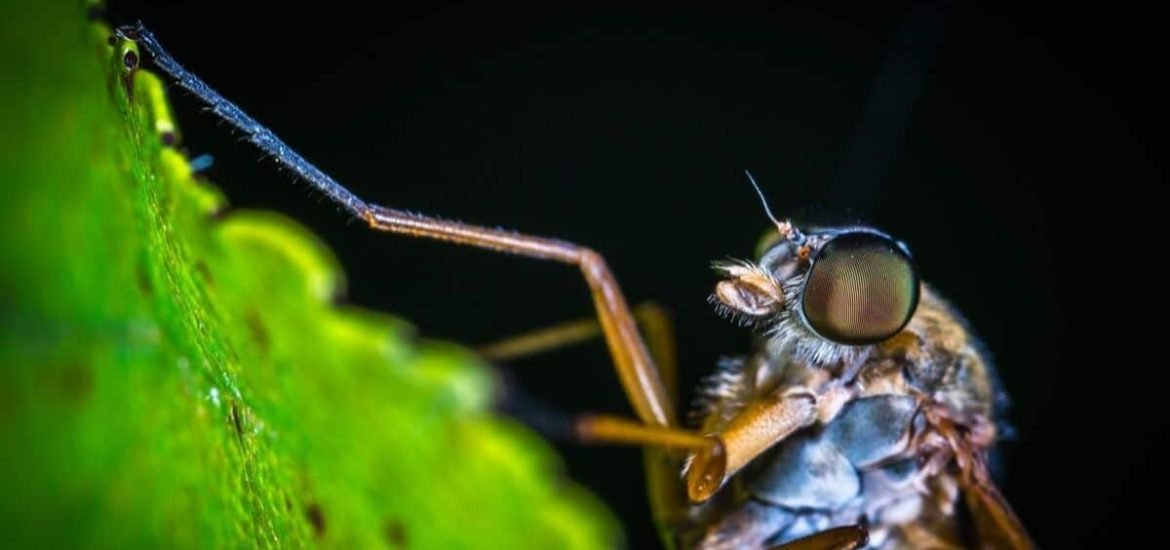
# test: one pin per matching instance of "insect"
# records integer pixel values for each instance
(863, 417)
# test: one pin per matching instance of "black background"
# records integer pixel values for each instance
(627, 128)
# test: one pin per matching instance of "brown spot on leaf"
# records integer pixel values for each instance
(316, 518)
(202, 269)
(257, 329)
(76, 381)
(143, 280)
(70, 379)
(235, 417)
(395, 533)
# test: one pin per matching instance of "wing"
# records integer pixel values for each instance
(995, 522)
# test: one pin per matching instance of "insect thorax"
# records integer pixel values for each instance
(876, 460)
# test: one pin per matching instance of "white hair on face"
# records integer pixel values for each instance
(787, 330)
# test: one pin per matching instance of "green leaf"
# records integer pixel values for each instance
(172, 375)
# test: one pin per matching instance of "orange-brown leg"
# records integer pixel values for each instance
(607, 428)
(542, 340)
(848, 537)
(636, 370)
(601, 428)
(716, 458)
(751, 432)
(662, 462)
(654, 321)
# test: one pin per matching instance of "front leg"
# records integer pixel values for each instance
(759, 427)
(754, 430)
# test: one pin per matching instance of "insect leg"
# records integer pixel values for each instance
(542, 340)
(636, 371)
(604, 428)
(848, 537)
(754, 430)
(668, 500)
(654, 321)
(600, 428)
(639, 377)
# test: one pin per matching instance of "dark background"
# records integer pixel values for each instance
(998, 143)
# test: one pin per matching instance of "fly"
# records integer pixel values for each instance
(863, 418)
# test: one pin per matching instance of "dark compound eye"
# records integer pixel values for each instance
(862, 289)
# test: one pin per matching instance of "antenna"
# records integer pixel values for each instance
(786, 229)
(763, 200)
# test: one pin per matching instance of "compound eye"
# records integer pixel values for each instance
(861, 289)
